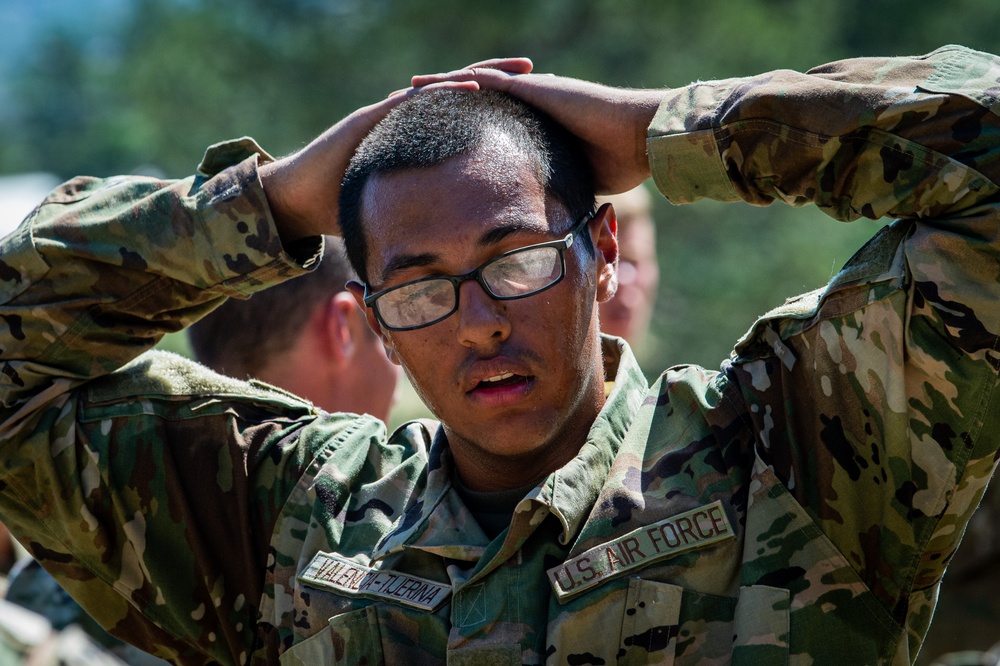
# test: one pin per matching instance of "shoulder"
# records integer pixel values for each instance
(165, 374)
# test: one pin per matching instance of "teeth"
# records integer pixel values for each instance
(499, 378)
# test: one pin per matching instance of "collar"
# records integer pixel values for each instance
(439, 522)
(570, 491)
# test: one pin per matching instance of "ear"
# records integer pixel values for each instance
(351, 320)
(358, 292)
(337, 338)
(604, 234)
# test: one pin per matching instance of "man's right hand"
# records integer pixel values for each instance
(611, 122)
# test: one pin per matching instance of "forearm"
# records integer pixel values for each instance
(107, 267)
(868, 137)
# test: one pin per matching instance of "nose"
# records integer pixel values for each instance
(482, 321)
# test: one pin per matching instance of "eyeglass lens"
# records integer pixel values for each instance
(517, 274)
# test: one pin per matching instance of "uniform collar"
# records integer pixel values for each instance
(571, 491)
(439, 522)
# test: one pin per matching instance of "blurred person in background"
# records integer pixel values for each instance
(307, 337)
(627, 314)
(54, 629)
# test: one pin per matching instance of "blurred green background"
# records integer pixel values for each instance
(112, 86)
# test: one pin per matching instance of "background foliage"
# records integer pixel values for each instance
(151, 87)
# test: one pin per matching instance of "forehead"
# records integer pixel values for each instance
(453, 203)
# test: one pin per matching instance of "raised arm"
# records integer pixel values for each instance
(104, 268)
(873, 401)
(801, 138)
(866, 137)
(117, 263)
(149, 486)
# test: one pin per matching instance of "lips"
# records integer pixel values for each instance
(501, 381)
(498, 379)
(505, 379)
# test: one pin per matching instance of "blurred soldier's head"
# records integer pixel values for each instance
(306, 336)
(627, 315)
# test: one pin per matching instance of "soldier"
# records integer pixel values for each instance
(306, 336)
(801, 504)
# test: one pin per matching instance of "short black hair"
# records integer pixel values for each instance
(434, 126)
(240, 336)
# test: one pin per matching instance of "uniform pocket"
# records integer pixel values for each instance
(356, 638)
(761, 626)
(650, 623)
(351, 638)
(631, 621)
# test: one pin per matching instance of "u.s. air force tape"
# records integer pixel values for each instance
(692, 529)
(353, 579)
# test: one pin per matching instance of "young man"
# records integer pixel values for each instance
(801, 504)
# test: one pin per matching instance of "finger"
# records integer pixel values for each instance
(509, 65)
(450, 85)
(500, 67)
(481, 74)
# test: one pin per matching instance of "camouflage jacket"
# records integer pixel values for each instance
(798, 506)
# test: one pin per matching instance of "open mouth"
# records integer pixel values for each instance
(503, 380)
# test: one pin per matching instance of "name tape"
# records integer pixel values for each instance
(686, 531)
(335, 573)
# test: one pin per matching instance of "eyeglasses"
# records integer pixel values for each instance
(515, 274)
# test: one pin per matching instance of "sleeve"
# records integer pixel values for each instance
(147, 485)
(104, 268)
(873, 400)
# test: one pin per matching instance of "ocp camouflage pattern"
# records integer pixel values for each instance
(847, 440)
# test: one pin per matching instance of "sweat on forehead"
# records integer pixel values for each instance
(435, 126)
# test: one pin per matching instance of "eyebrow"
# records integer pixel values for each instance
(490, 238)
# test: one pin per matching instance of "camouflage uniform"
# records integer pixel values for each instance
(799, 506)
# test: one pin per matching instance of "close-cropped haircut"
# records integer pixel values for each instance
(240, 336)
(434, 126)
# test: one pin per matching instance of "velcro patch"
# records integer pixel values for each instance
(353, 579)
(686, 531)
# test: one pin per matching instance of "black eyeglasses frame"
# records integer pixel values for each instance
(562, 244)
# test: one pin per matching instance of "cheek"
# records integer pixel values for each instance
(426, 357)
(566, 321)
